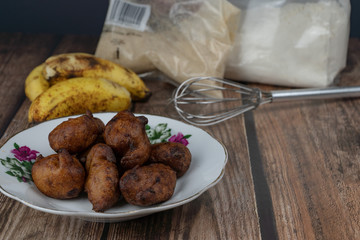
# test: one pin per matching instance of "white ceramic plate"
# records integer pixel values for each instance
(209, 158)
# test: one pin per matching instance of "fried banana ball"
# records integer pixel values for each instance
(76, 134)
(102, 182)
(59, 176)
(148, 184)
(173, 154)
(126, 135)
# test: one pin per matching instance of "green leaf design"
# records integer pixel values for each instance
(16, 146)
(6, 163)
(16, 167)
(10, 173)
(160, 133)
(17, 172)
(14, 162)
(26, 164)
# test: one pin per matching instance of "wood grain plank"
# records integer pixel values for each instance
(17, 220)
(310, 152)
(262, 192)
(19, 54)
(76, 43)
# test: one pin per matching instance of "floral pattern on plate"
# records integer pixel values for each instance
(161, 133)
(20, 164)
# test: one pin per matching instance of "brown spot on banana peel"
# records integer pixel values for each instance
(62, 59)
(148, 94)
(88, 61)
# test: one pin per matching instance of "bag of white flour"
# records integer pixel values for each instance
(181, 38)
(290, 43)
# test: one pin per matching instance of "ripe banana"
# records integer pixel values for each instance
(69, 65)
(77, 95)
(35, 83)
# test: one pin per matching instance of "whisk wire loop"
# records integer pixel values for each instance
(209, 92)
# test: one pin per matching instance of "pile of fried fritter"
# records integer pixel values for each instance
(109, 162)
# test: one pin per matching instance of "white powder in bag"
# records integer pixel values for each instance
(296, 44)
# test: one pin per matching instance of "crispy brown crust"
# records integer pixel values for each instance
(59, 176)
(76, 134)
(149, 184)
(126, 135)
(102, 182)
(173, 154)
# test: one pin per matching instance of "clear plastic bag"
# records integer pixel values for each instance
(181, 38)
(290, 43)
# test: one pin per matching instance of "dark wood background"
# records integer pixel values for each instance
(80, 16)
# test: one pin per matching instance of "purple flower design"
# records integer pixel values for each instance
(24, 153)
(180, 138)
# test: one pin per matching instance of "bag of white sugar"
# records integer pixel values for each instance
(290, 43)
(180, 38)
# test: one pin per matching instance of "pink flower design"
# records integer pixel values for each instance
(24, 153)
(180, 138)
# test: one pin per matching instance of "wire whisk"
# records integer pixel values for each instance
(204, 101)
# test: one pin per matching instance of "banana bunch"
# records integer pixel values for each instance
(71, 83)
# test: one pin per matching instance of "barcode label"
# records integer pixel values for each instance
(127, 14)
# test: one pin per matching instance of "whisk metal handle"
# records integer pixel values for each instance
(315, 93)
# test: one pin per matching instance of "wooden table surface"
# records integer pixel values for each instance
(293, 169)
